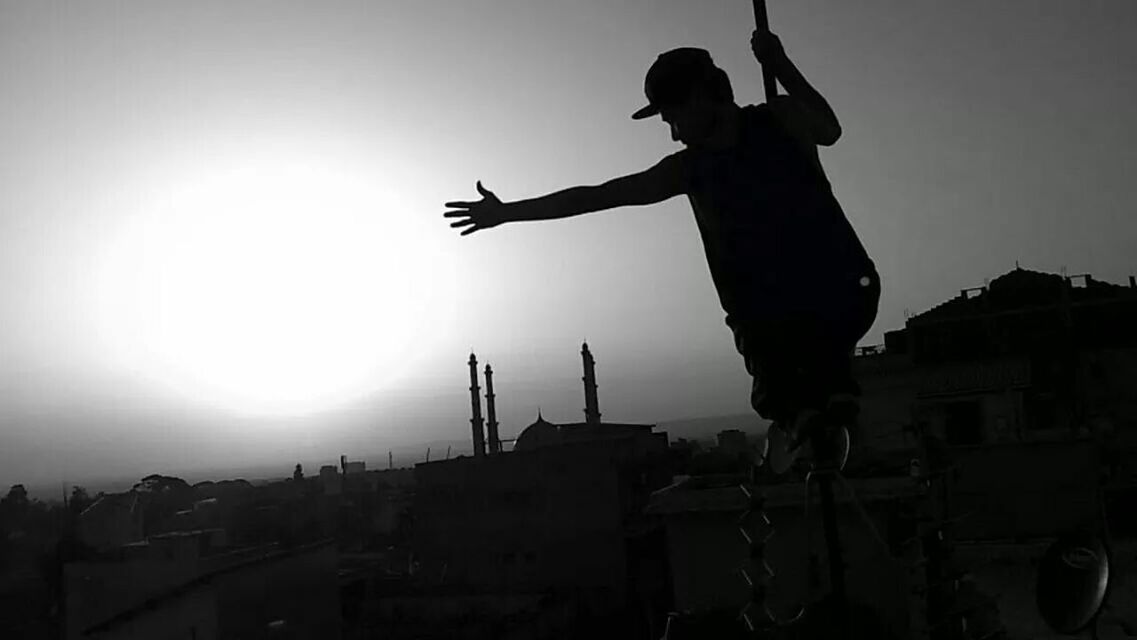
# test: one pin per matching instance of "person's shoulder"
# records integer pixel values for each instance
(785, 107)
(675, 168)
(755, 114)
(678, 161)
(750, 111)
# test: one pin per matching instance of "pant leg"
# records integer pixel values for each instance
(802, 355)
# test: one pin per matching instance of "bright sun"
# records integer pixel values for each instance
(273, 286)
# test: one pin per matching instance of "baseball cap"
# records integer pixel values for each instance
(672, 76)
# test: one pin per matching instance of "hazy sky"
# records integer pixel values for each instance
(222, 232)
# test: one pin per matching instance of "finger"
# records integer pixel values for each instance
(455, 214)
(469, 231)
(461, 223)
(484, 191)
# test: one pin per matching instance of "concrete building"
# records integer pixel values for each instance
(1019, 387)
(1020, 399)
(1029, 357)
(560, 513)
(112, 521)
(330, 480)
(733, 442)
(989, 425)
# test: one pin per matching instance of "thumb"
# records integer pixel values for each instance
(482, 190)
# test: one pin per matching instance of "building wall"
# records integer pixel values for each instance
(237, 600)
(1025, 490)
(706, 550)
(873, 576)
(1109, 386)
(301, 589)
(111, 527)
(551, 518)
(887, 400)
(96, 591)
(536, 521)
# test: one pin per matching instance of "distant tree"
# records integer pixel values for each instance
(298, 474)
(162, 497)
(79, 500)
(14, 506)
(17, 497)
(157, 483)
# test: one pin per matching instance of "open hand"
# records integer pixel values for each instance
(767, 47)
(484, 214)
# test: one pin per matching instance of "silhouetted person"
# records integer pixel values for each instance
(796, 284)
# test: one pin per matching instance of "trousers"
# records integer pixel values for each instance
(800, 354)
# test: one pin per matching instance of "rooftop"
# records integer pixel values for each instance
(1024, 289)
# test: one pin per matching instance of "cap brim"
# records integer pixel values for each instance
(646, 112)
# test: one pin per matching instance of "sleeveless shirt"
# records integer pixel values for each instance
(774, 235)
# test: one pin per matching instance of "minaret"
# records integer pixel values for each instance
(491, 413)
(591, 404)
(476, 405)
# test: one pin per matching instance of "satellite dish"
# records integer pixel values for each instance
(1073, 579)
(843, 444)
(781, 452)
(778, 453)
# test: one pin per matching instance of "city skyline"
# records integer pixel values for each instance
(211, 211)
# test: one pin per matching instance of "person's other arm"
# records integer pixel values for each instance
(659, 183)
(810, 106)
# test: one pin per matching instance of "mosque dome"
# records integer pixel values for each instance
(539, 434)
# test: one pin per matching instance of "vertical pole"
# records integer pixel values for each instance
(762, 21)
(833, 553)
(825, 455)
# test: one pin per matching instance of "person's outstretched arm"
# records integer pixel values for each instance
(659, 183)
(809, 106)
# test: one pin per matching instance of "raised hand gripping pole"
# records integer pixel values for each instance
(762, 21)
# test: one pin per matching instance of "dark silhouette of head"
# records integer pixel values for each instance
(689, 92)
